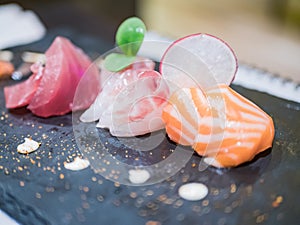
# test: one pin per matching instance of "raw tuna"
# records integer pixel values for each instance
(20, 95)
(51, 92)
(131, 101)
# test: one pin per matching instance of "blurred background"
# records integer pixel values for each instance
(263, 33)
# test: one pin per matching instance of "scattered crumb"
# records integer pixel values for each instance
(232, 188)
(152, 222)
(261, 218)
(38, 195)
(22, 183)
(77, 164)
(85, 189)
(277, 201)
(28, 146)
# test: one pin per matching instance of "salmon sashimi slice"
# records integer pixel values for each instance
(220, 124)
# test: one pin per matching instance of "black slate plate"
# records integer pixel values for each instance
(37, 189)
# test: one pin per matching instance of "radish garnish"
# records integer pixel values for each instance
(198, 60)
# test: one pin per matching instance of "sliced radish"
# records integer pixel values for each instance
(198, 60)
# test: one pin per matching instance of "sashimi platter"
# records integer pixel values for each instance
(127, 138)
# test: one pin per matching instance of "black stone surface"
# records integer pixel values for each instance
(37, 189)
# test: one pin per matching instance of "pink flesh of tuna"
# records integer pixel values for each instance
(53, 93)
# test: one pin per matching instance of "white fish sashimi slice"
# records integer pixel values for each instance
(130, 102)
(112, 84)
(93, 113)
(122, 124)
(116, 84)
(137, 109)
(150, 123)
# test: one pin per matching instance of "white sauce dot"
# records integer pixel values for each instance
(28, 146)
(138, 176)
(77, 164)
(193, 191)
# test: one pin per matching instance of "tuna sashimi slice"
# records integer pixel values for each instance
(65, 65)
(87, 89)
(20, 94)
(50, 90)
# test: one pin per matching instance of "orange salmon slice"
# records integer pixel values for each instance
(220, 124)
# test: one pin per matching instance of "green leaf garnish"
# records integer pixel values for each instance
(115, 62)
(129, 38)
(130, 35)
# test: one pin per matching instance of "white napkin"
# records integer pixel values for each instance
(257, 79)
(19, 27)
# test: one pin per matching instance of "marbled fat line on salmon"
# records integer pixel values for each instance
(220, 124)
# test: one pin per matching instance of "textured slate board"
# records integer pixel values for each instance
(36, 189)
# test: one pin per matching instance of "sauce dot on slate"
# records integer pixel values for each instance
(193, 191)
(138, 176)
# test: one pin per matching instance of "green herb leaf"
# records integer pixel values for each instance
(130, 35)
(115, 62)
